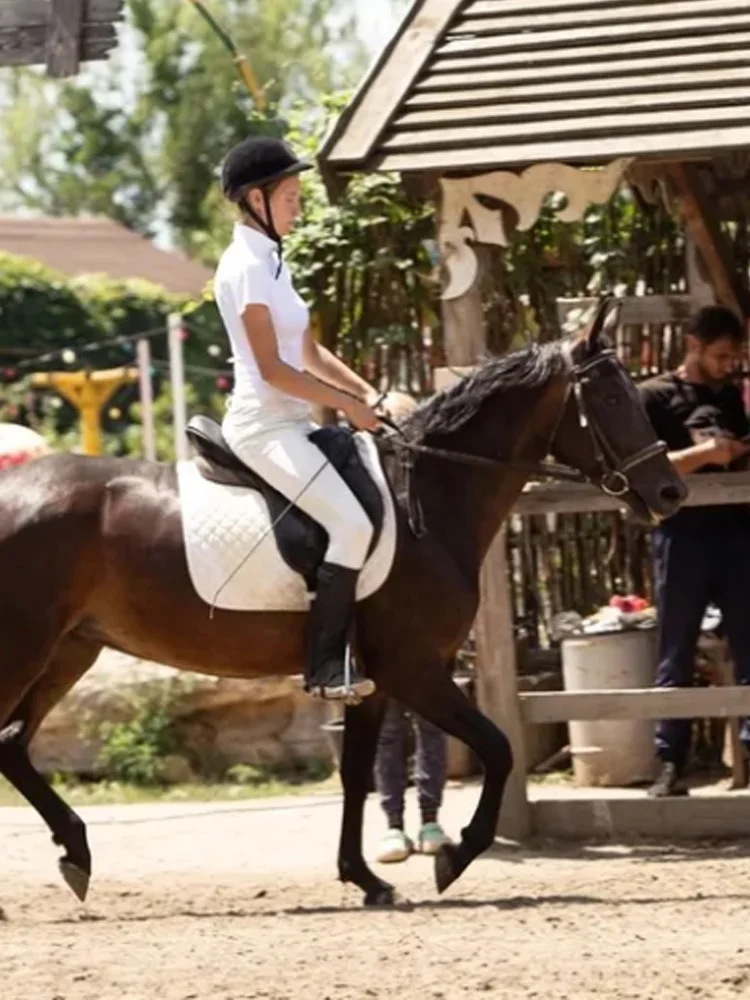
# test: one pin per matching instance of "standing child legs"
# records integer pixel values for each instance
(430, 775)
(391, 779)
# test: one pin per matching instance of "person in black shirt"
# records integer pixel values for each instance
(701, 554)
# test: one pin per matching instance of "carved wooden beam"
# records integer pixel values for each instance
(703, 227)
(525, 193)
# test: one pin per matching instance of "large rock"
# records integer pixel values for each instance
(220, 721)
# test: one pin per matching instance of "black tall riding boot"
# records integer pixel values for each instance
(329, 630)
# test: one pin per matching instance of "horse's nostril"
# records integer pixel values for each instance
(673, 494)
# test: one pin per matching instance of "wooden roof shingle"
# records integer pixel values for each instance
(482, 84)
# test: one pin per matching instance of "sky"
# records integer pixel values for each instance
(379, 20)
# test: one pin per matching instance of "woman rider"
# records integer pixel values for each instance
(280, 373)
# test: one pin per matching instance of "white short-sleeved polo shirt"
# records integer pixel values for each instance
(247, 275)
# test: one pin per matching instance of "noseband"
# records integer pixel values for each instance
(613, 472)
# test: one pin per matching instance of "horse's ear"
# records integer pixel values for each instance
(600, 334)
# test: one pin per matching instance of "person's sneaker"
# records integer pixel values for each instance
(431, 838)
(395, 846)
(668, 783)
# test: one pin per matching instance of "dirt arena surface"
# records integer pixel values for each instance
(238, 902)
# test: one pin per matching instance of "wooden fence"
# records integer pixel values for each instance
(620, 813)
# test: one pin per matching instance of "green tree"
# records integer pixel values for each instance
(363, 263)
(64, 152)
(140, 139)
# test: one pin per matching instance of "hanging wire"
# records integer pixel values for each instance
(96, 345)
(195, 369)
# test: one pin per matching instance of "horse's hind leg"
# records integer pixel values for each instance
(70, 660)
(362, 726)
(434, 696)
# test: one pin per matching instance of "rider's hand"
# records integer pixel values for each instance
(361, 416)
(724, 450)
(373, 398)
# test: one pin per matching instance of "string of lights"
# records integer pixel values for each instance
(195, 369)
(70, 354)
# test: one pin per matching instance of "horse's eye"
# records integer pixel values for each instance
(612, 399)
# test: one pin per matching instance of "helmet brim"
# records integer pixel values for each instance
(291, 171)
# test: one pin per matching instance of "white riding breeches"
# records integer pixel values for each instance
(288, 460)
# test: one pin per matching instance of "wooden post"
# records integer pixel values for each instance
(700, 288)
(464, 328)
(147, 399)
(465, 336)
(177, 376)
(497, 683)
(87, 392)
(64, 37)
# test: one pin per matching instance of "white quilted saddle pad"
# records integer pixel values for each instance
(221, 524)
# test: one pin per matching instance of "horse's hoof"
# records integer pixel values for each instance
(76, 878)
(385, 895)
(447, 867)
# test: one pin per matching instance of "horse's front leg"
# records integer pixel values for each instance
(431, 693)
(361, 729)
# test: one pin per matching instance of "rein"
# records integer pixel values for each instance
(542, 469)
(613, 472)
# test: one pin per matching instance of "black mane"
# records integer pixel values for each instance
(451, 409)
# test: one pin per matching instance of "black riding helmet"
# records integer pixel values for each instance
(259, 162)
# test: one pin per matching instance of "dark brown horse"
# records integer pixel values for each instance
(93, 555)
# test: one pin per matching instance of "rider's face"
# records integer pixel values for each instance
(285, 201)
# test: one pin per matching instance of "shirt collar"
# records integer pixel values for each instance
(258, 242)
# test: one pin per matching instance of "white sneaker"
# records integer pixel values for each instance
(395, 846)
(431, 838)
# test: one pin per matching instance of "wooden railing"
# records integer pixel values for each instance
(616, 813)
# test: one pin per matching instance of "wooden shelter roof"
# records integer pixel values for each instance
(58, 33)
(87, 246)
(478, 84)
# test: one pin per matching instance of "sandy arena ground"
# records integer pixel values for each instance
(232, 902)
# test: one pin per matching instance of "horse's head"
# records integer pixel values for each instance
(605, 432)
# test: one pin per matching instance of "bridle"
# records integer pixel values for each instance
(613, 476)
(613, 472)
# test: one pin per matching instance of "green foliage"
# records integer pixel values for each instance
(134, 751)
(43, 311)
(624, 246)
(37, 302)
(140, 138)
(97, 165)
(129, 440)
(299, 772)
(362, 263)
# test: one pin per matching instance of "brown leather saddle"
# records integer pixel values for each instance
(301, 541)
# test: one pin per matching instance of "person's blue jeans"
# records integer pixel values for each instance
(692, 570)
(391, 776)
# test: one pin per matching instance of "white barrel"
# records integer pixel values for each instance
(611, 753)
